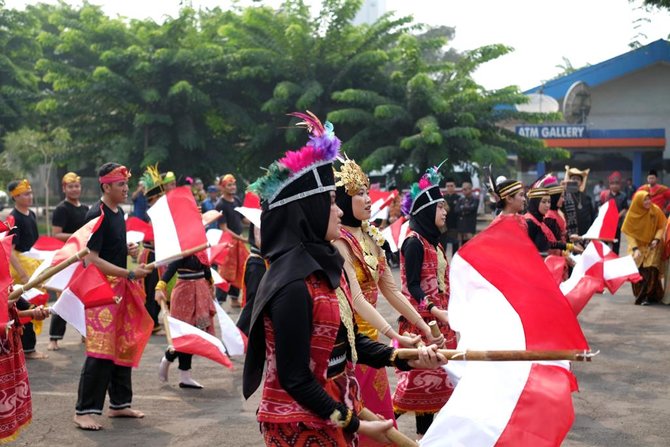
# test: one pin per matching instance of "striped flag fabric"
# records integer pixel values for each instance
(605, 225)
(88, 288)
(231, 336)
(191, 340)
(177, 224)
(381, 200)
(504, 298)
(396, 233)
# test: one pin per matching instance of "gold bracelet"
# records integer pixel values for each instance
(570, 246)
(347, 421)
(162, 286)
(393, 357)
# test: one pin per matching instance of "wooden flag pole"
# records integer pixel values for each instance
(396, 437)
(48, 273)
(504, 356)
(601, 239)
(166, 324)
(181, 255)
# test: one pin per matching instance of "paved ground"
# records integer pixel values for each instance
(624, 398)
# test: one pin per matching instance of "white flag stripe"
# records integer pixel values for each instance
(230, 334)
(583, 263)
(178, 328)
(476, 306)
(594, 229)
(71, 309)
(61, 279)
(165, 232)
(134, 237)
(620, 267)
(479, 410)
(253, 215)
(216, 278)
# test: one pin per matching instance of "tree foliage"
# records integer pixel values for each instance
(208, 91)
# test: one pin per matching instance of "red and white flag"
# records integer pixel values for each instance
(381, 200)
(233, 339)
(88, 288)
(44, 247)
(219, 244)
(5, 277)
(191, 340)
(396, 233)
(177, 224)
(503, 297)
(138, 230)
(605, 225)
(598, 267)
(75, 243)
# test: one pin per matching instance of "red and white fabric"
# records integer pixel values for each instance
(138, 230)
(396, 233)
(381, 200)
(88, 288)
(233, 339)
(605, 225)
(5, 277)
(44, 247)
(191, 340)
(503, 297)
(177, 225)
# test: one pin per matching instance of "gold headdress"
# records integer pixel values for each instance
(569, 172)
(22, 187)
(70, 177)
(351, 177)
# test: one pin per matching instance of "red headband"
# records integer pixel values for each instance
(119, 174)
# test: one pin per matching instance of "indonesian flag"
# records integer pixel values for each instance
(191, 340)
(380, 203)
(88, 288)
(396, 233)
(598, 267)
(605, 225)
(44, 246)
(219, 282)
(138, 230)
(503, 297)
(231, 336)
(75, 243)
(253, 215)
(251, 200)
(177, 224)
(219, 242)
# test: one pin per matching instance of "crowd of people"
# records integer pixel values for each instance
(307, 281)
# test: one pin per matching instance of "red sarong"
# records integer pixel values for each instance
(119, 332)
(232, 270)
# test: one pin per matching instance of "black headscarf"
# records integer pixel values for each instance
(534, 208)
(554, 201)
(293, 241)
(344, 201)
(424, 223)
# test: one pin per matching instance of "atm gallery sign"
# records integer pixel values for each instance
(549, 132)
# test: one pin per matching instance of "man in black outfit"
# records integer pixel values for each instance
(451, 235)
(467, 213)
(22, 267)
(231, 222)
(109, 253)
(68, 217)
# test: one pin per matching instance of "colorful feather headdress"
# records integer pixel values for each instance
(153, 181)
(423, 193)
(311, 164)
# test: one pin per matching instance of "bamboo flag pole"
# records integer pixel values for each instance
(48, 273)
(396, 437)
(166, 325)
(181, 255)
(504, 356)
(602, 239)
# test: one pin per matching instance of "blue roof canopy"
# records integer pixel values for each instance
(594, 75)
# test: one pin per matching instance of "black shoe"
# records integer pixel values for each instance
(644, 303)
(188, 385)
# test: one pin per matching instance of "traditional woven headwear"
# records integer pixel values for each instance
(169, 177)
(118, 174)
(423, 193)
(569, 172)
(501, 187)
(228, 178)
(351, 177)
(552, 185)
(537, 189)
(304, 172)
(70, 177)
(21, 188)
(153, 181)
(614, 177)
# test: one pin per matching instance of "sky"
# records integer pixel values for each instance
(542, 32)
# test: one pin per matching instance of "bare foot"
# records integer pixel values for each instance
(125, 413)
(36, 355)
(86, 422)
(53, 346)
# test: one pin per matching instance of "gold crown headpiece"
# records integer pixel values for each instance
(351, 177)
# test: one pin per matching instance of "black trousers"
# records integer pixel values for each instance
(184, 359)
(150, 282)
(98, 376)
(56, 328)
(28, 338)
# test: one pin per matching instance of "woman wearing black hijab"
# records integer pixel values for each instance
(424, 273)
(302, 319)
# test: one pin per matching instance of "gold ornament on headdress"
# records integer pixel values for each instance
(352, 177)
(22, 187)
(152, 177)
(70, 177)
